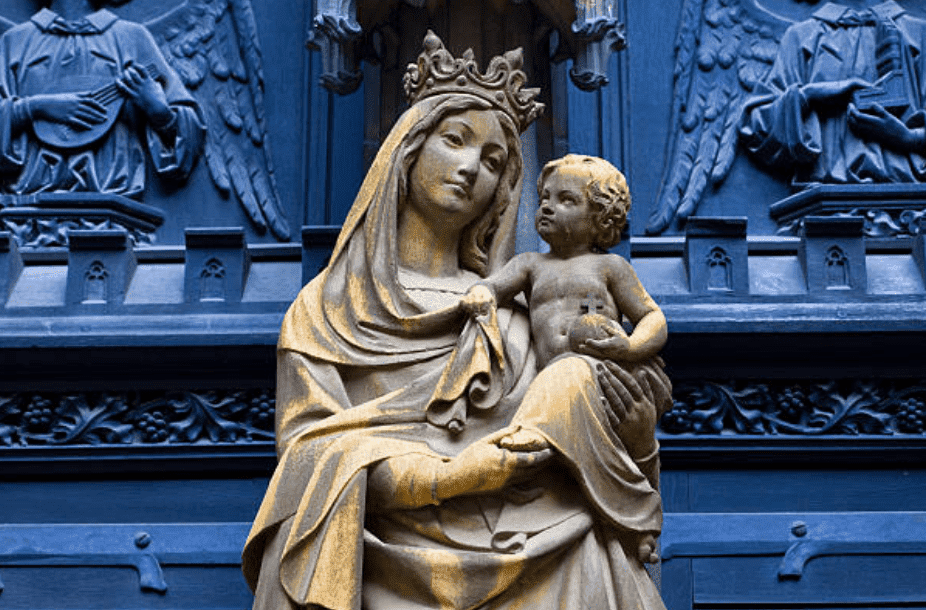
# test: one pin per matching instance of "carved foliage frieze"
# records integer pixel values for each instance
(180, 417)
(799, 408)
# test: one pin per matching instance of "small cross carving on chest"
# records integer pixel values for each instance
(592, 303)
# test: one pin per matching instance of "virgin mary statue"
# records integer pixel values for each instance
(376, 503)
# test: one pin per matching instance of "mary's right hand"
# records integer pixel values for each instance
(484, 467)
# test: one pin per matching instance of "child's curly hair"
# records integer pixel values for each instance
(606, 191)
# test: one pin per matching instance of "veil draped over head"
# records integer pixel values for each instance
(356, 313)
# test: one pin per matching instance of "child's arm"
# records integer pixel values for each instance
(650, 330)
(649, 324)
(501, 286)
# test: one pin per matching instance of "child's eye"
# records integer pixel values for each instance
(493, 163)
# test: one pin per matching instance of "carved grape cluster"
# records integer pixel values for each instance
(792, 404)
(39, 414)
(261, 410)
(152, 427)
(911, 416)
(678, 419)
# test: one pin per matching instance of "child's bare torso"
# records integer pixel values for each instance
(563, 290)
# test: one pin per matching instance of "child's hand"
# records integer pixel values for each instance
(478, 301)
(609, 341)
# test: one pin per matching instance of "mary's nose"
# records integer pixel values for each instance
(468, 165)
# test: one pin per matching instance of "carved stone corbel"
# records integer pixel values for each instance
(596, 33)
(589, 31)
(335, 32)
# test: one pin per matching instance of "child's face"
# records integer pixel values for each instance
(565, 216)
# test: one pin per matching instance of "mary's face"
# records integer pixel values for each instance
(456, 174)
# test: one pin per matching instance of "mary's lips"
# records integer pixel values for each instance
(461, 189)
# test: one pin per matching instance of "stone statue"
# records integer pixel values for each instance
(838, 98)
(87, 100)
(376, 501)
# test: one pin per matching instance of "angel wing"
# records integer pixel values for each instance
(723, 50)
(213, 47)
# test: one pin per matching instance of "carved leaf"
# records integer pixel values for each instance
(80, 422)
(206, 415)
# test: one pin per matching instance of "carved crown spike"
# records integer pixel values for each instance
(502, 84)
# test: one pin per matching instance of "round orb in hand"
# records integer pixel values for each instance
(592, 326)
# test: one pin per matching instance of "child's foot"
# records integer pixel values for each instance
(524, 439)
(646, 551)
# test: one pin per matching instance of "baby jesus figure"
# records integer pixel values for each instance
(577, 293)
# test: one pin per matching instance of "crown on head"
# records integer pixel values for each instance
(437, 71)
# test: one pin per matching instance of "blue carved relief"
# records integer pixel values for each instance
(827, 96)
(174, 417)
(89, 101)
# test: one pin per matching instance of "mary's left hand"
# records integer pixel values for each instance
(634, 410)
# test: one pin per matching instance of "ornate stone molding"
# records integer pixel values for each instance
(223, 417)
(804, 408)
(131, 418)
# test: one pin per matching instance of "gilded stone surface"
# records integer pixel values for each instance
(473, 509)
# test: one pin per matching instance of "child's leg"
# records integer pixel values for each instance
(646, 549)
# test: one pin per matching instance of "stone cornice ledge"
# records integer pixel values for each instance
(255, 328)
(882, 315)
(161, 330)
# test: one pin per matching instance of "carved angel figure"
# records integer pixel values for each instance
(87, 97)
(839, 100)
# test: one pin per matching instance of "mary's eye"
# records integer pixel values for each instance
(453, 138)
